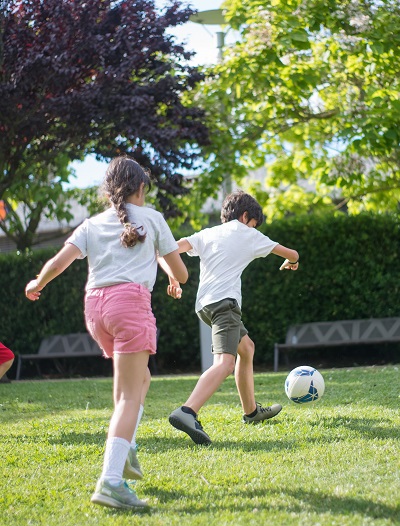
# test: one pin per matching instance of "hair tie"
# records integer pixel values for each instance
(127, 225)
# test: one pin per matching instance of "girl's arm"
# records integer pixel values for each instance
(173, 265)
(174, 289)
(53, 268)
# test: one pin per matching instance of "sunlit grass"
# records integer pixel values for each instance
(335, 462)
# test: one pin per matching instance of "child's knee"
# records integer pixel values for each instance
(227, 364)
(250, 348)
(246, 348)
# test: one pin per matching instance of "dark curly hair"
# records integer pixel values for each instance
(237, 203)
(123, 178)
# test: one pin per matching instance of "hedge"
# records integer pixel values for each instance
(349, 269)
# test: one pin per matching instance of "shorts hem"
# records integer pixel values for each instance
(133, 352)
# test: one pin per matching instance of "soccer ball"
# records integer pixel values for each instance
(304, 384)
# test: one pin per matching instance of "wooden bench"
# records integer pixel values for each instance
(60, 347)
(337, 333)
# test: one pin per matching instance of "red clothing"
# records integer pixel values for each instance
(5, 354)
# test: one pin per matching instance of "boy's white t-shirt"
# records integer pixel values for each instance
(110, 263)
(225, 251)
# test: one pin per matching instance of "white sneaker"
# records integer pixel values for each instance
(132, 469)
(120, 496)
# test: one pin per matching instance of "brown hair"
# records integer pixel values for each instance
(237, 203)
(123, 178)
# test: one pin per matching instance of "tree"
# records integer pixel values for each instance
(98, 76)
(43, 196)
(311, 90)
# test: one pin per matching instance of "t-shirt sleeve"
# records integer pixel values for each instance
(196, 243)
(79, 238)
(166, 241)
(263, 245)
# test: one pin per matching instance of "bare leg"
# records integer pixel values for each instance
(244, 375)
(210, 380)
(146, 386)
(129, 377)
(145, 389)
(4, 367)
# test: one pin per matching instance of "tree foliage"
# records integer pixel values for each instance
(311, 90)
(97, 76)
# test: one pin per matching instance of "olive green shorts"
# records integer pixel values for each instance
(227, 329)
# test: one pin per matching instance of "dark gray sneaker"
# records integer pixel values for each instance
(132, 469)
(116, 496)
(190, 425)
(263, 413)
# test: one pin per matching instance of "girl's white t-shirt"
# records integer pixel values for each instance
(225, 251)
(110, 263)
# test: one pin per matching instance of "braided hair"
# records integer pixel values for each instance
(123, 178)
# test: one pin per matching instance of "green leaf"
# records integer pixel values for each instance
(299, 35)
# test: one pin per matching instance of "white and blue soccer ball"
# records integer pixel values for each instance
(304, 384)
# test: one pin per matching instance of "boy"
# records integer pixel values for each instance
(225, 251)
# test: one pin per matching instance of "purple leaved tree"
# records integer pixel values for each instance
(92, 76)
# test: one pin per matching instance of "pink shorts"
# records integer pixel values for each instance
(120, 319)
(5, 354)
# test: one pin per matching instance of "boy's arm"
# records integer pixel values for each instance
(287, 253)
(184, 245)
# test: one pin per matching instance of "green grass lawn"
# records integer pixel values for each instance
(334, 462)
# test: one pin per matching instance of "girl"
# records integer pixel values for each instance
(122, 245)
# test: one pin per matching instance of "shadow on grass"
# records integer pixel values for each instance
(115, 512)
(365, 427)
(166, 444)
(289, 501)
(75, 439)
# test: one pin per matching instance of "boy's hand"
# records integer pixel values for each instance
(32, 290)
(289, 266)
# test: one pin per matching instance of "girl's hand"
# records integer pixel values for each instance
(32, 290)
(174, 291)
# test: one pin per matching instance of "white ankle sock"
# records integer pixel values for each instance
(114, 459)
(140, 414)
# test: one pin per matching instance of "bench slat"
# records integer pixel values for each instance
(69, 345)
(58, 355)
(339, 333)
(75, 345)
